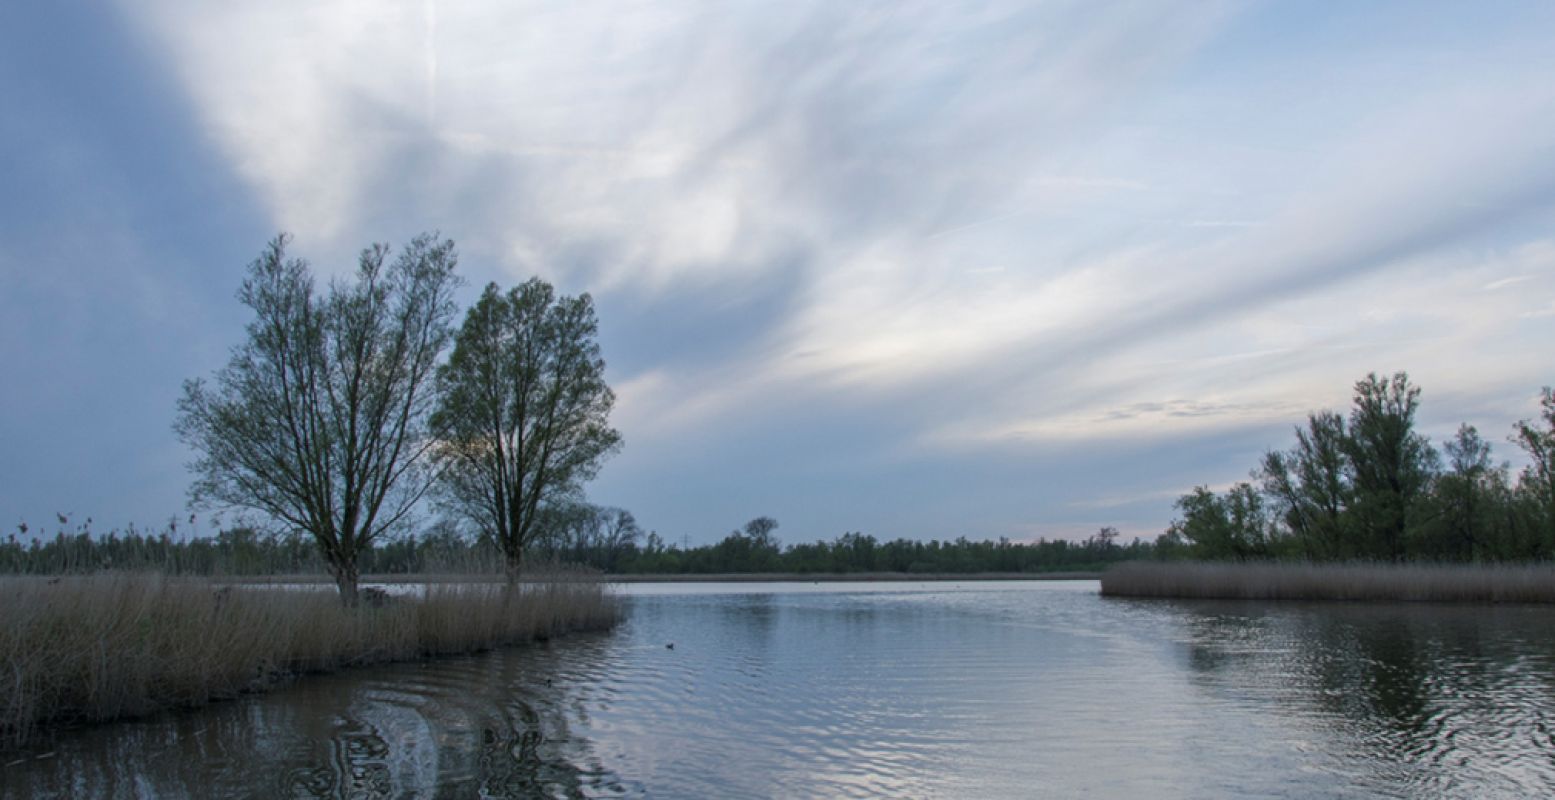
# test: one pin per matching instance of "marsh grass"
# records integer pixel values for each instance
(850, 577)
(102, 647)
(1465, 583)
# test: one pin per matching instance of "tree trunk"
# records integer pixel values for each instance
(514, 562)
(345, 580)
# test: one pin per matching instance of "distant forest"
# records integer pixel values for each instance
(606, 539)
(1365, 486)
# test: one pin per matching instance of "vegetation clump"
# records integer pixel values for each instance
(1365, 508)
(100, 647)
(1370, 487)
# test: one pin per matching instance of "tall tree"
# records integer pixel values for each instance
(1234, 527)
(1538, 479)
(619, 533)
(319, 418)
(1465, 497)
(564, 529)
(524, 413)
(1391, 465)
(1309, 486)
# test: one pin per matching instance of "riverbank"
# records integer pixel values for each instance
(88, 649)
(1446, 583)
(539, 578)
(722, 577)
(844, 577)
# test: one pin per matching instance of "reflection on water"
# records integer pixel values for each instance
(919, 690)
(484, 726)
(1417, 700)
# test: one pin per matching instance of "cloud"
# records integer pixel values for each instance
(1505, 282)
(925, 228)
(1270, 364)
(658, 149)
(653, 143)
(1222, 223)
(1154, 496)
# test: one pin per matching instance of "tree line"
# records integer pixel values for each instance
(612, 542)
(238, 551)
(339, 417)
(569, 535)
(1368, 486)
(756, 550)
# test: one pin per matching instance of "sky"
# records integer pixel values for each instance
(915, 269)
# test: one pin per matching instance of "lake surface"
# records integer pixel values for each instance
(976, 690)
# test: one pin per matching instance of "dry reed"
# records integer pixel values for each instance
(108, 646)
(1440, 583)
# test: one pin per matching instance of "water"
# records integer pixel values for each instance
(897, 690)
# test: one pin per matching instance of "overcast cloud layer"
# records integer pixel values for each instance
(920, 269)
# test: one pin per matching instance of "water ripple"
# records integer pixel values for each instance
(919, 690)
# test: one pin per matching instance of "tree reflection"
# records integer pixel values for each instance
(1439, 696)
(494, 725)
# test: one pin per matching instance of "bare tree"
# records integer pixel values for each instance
(619, 532)
(319, 418)
(524, 411)
(759, 532)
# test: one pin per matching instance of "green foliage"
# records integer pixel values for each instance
(1233, 527)
(1309, 487)
(1390, 465)
(1464, 506)
(1370, 487)
(1538, 479)
(523, 415)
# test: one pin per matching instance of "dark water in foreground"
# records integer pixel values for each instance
(900, 690)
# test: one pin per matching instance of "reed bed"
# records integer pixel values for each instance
(1434, 583)
(846, 577)
(102, 647)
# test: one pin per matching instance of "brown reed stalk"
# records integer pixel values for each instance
(101, 647)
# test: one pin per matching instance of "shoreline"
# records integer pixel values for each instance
(850, 577)
(92, 649)
(721, 577)
(1339, 582)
